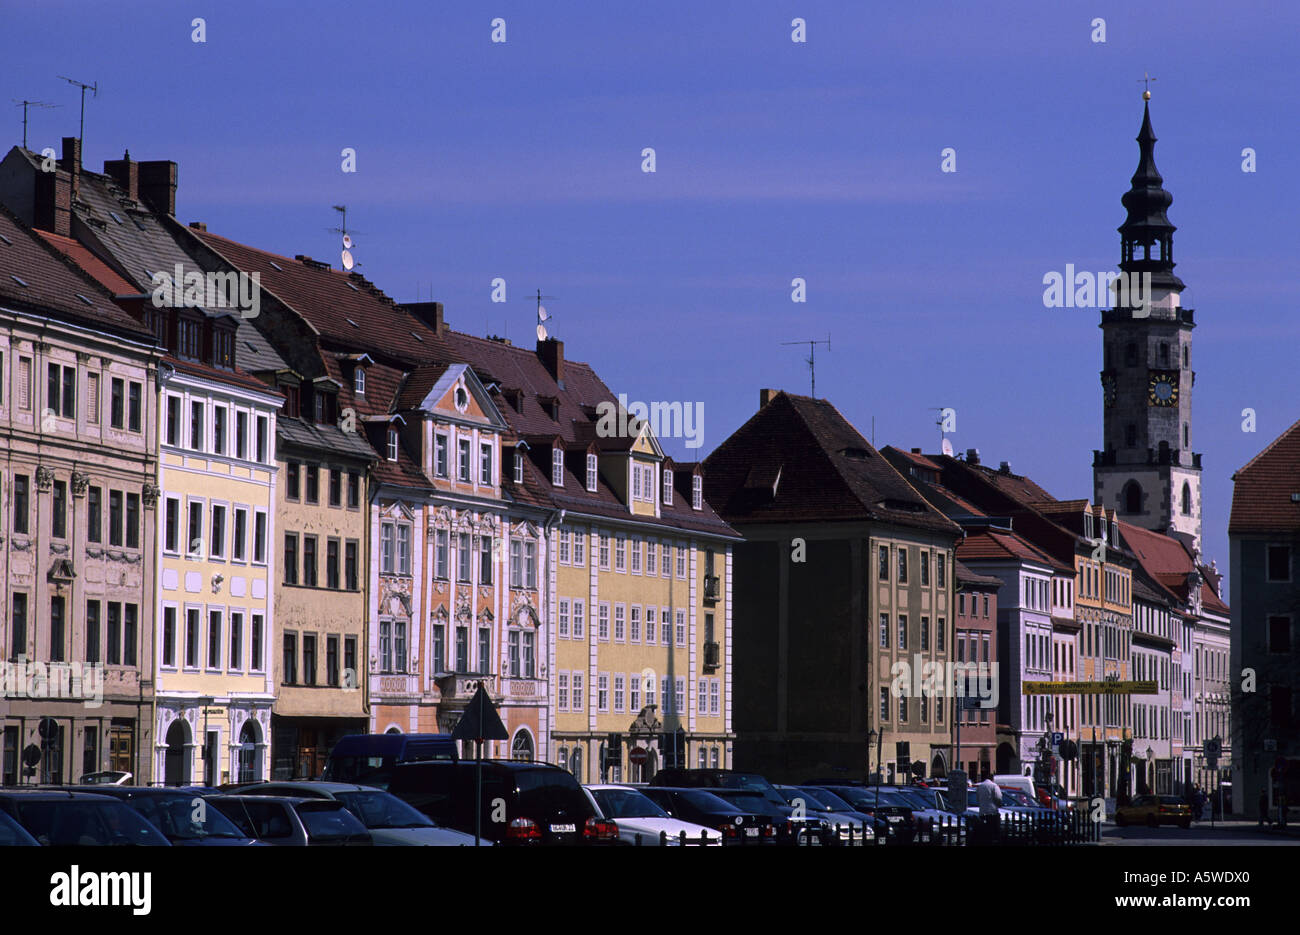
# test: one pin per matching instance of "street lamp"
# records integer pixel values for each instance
(1150, 753)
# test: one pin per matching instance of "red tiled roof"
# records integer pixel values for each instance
(90, 263)
(966, 576)
(1261, 491)
(54, 282)
(1000, 544)
(327, 300)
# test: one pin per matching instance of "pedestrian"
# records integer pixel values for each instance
(989, 797)
(1263, 807)
(1281, 809)
(1198, 804)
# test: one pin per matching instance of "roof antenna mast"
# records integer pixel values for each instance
(543, 315)
(812, 358)
(26, 104)
(94, 90)
(348, 243)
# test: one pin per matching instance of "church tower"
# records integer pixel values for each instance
(1147, 471)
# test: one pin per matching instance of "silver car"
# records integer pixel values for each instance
(389, 820)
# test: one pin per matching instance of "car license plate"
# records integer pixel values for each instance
(563, 829)
(894, 819)
(751, 832)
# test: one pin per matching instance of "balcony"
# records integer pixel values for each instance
(461, 686)
(396, 685)
(712, 588)
(712, 655)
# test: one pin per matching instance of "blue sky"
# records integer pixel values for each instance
(775, 160)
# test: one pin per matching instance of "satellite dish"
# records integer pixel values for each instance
(542, 313)
(348, 262)
(347, 242)
(947, 447)
(541, 332)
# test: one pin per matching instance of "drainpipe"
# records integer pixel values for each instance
(552, 521)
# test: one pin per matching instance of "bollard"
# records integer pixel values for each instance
(663, 838)
(638, 839)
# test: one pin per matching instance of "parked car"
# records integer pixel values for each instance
(177, 814)
(543, 804)
(62, 818)
(717, 779)
(1155, 810)
(790, 830)
(109, 777)
(638, 816)
(881, 802)
(13, 834)
(293, 822)
(838, 814)
(389, 820)
(703, 807)
(368, 759)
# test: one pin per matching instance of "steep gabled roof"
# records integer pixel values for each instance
(54, 284)
(828, 471)
(1261, 491)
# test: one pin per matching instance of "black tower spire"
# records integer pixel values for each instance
(1147, 236)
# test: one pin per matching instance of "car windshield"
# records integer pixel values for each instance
(917, 798)
(378, 809)
(811, 800)
(12, 833)
(1171, 800)
(553, 793)
(1016, 797)
(184, 817)
(326, 821)
(829, 799)
(708, 802)
(626, 803)
(63, 823)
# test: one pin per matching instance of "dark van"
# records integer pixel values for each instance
(543, 804)
(368, 759)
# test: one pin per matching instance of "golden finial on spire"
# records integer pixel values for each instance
(1146, 79)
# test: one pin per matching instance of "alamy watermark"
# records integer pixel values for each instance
(1086, 289)
(240, 291)
(666, 419)
(73, 681)
(922, 678)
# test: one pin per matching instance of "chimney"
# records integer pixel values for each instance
(765, 396)
(972, 456)
(158, 185)
(1004, 467)
(126, 173)
(916, 451)
(199, 226)
(551, 352)
(52, 207)
(430, 313)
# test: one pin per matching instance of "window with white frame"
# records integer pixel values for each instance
(579, 547)
(562, 694)
(668, 487)
(530, 565)
(715, 697)
(681, 562)
(359, 381)
(619, 689)
(651, 623)
(392, 444)
(634, 624)
(602, 628)
(441, 560)
(602, 691)
(604, 550)
(591, 471)
(681, 628)
(485, 464)
(679, 695)
(519, 467)
(566, 546)
(697, 492)
(516, 564)
(387, 537)
(620, 623)
(557, 466)
(578, 696)
(564, 616)
(620, 553)
(665, 626)
(578, 619)
(637, 547)
(440, 454)
(650, 567)
(463, 466)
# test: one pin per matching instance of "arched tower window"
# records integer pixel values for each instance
(1187, 499)
(1132, 497)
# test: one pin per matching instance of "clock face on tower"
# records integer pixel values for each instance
(1162, 388)
(1108, 388)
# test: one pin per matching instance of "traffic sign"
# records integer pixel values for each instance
(637, 756)
(1057, 737)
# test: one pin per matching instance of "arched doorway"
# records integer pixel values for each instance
(521, 748)
(1006, 758)
(1133, 497)
(176, 761)
(250, 758)
(575, 765)
(938, 768)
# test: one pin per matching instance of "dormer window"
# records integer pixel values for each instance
(591, 472)
(557, 466)
(668, 486)
(292, 401)
(359, 381)
(223, 349)
(697, 492)
(392, 444)
(189, 339)
(519, 467)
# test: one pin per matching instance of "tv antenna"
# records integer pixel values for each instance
(94, 90)
(939, 422)
(25, 105)
(348, 242)
(812, 358)
(543, 315)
